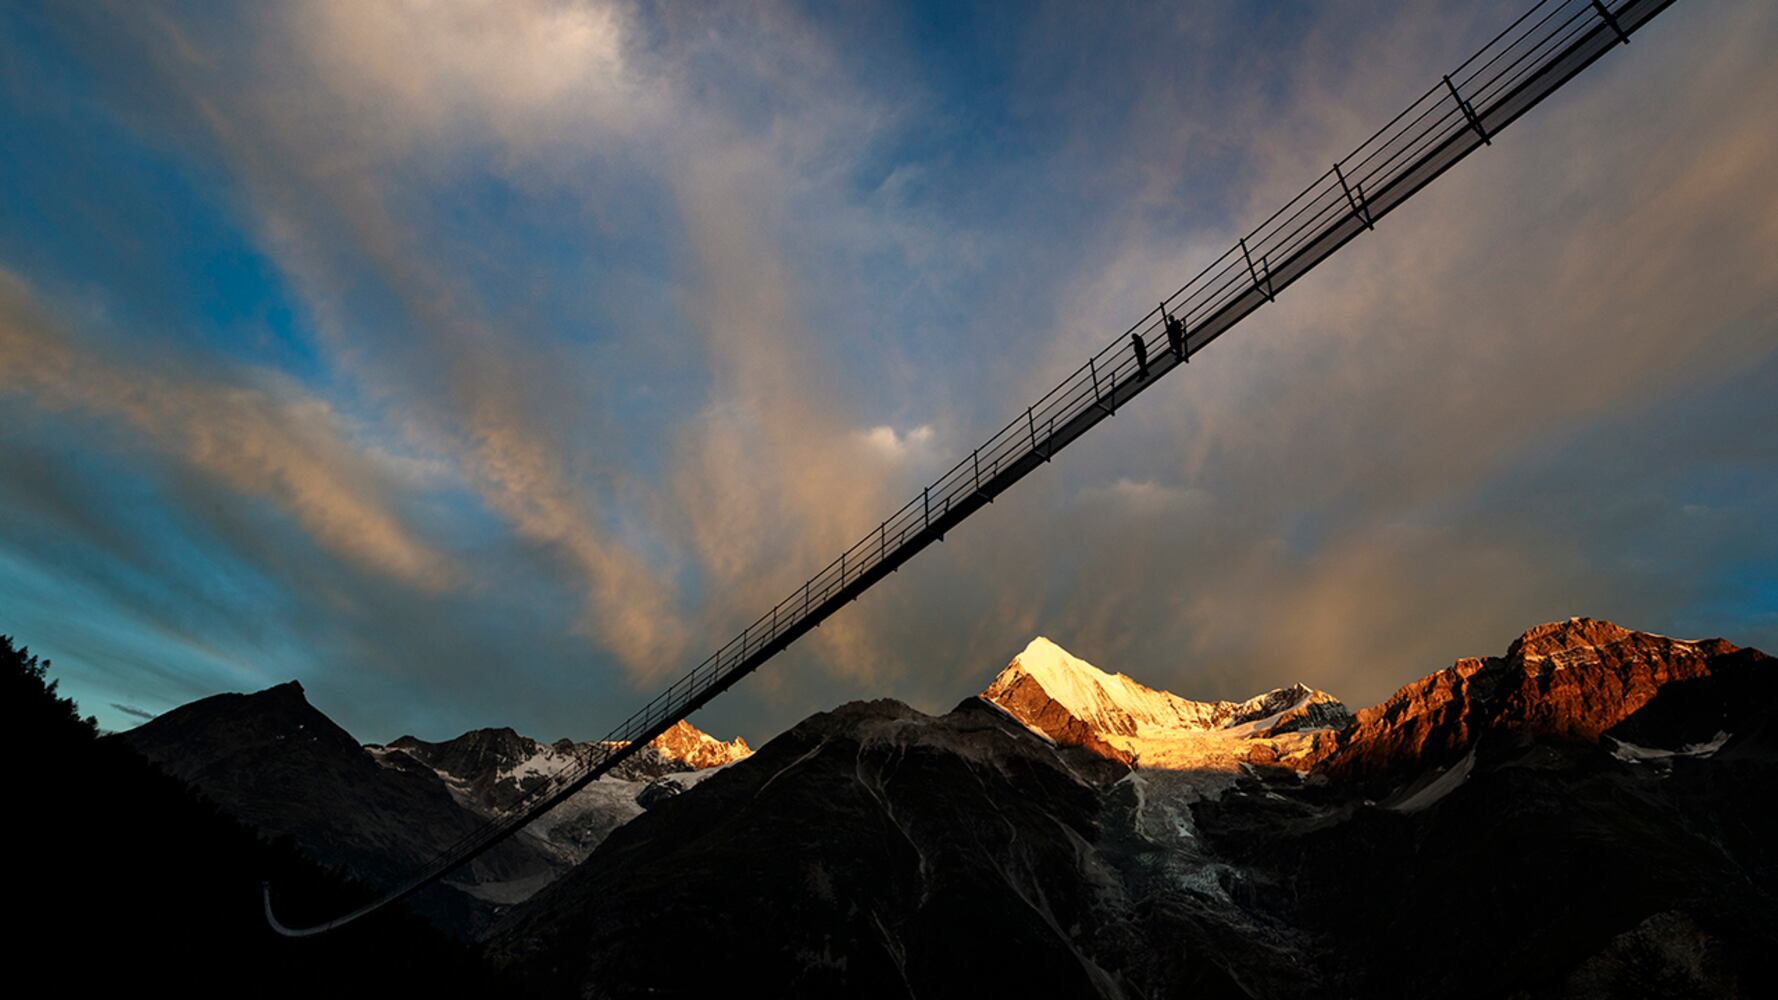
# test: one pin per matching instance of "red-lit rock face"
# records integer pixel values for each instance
(1025, 697)
(1581, 677)
(1573, 679)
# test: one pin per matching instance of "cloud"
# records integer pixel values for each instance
(1145, 498)
(1327, 450)
(418, 71)
(266, 440)
(769, 477)
(651, 312)
(1481, 327)
(897, 445)
(339, 123)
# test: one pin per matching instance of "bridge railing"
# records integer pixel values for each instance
(1259, 265)
(1533, 56)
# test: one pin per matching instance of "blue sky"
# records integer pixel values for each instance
(491, 364)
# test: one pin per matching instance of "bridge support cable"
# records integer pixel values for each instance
(1543, 49)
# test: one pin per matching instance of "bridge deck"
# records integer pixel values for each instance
(1534, 56)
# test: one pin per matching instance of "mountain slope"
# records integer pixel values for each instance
(1577, 871)
(1565, 680)
(490, 771)
(276, 763)
(140, 879)
(842, 859)
(1075, 703)
(1560, 846)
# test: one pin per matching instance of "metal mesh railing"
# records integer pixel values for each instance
(1538, 52)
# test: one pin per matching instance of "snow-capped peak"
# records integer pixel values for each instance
(692, 746)
(1071, 701)
(1109, 703)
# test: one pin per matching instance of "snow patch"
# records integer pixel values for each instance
(1438, 787)
(1633, 754)
(1098, 698)
(547, 762)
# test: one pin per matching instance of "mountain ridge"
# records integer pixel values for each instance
(876, 849)
(1586, 808)
(1534, 686)
(1070, 701)
(275, 762)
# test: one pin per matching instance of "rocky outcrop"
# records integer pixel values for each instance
(1581, 677)
(1566, 680)
(1024, 697)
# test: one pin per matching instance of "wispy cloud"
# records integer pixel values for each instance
(261, 437)
(630, 318)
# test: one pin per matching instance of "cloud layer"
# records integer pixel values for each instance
(494, 363)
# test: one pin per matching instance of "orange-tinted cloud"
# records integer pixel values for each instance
(261, 438)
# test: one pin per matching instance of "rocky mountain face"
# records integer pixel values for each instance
(1074, 703)
(276, 763)
(690, 746)
(871, 847)
(1570, 680)
(1585, 816)
(489, 771)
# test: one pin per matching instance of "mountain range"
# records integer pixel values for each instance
(1587, 815)
(378, 812)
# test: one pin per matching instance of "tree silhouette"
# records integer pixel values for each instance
(32, 706)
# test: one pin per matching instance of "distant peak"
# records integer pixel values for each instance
(1072, 702)
(1044, 655)
(688, 744)
(286, 697)
(1082, 689)
(1575, 632)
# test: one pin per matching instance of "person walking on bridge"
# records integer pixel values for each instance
(1141, 355)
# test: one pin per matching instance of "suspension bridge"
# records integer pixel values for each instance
(1536, 54)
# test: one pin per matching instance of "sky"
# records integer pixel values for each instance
(486, 364)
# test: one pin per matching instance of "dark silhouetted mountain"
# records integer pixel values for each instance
(847, 853)
(275, 763)
(279, 765)
(136, 884)
(1586, 816)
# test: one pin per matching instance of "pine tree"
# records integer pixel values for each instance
(30, 699)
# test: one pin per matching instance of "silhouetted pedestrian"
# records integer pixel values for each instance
(1176, 336)
(1141, 354)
